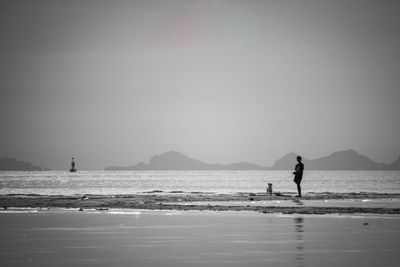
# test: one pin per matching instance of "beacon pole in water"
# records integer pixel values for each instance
(72, 166)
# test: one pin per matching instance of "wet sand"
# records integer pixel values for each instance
(311, 203)
(196, 238)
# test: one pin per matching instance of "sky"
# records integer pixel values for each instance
(222, 81)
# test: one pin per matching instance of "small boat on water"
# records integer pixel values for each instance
(72, 169)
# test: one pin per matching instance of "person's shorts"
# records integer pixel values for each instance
(297, 180)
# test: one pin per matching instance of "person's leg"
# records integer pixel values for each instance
(298, 189)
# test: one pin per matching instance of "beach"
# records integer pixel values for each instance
(200, 229)
(312, 203)
(200, 133)
(118, 237)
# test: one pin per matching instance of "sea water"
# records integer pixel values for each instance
(197, 239)
(131, 182)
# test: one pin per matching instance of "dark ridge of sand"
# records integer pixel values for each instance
(204, 201)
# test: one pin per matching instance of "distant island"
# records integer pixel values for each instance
(10, 164)
(342, 160)
(173, 160)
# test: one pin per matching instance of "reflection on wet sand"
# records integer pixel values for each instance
(298, 202)
(299, 229)
(198, 239)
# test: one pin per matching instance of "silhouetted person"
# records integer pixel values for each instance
(298, 174)
(72, 166)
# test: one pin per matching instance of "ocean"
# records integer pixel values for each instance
(132, 182)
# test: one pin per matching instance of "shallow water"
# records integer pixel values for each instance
(160, 238)
(129, 182)
(344, 203)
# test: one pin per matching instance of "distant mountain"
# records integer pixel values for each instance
(287, 162)
(9, 164)
(395, 165)
(342, 160)
(177, 161)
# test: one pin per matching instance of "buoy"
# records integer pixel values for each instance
(72, 169)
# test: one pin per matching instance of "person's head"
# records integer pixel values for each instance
(298, 158)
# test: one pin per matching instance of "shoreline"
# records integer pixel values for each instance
(311, 203)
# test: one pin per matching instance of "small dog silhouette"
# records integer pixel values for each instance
(269, 189)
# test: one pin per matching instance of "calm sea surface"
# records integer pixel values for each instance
(128, 182)
(196, 239)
